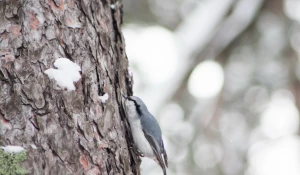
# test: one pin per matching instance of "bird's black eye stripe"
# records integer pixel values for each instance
(138, 108)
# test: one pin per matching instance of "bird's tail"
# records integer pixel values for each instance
(158, 159)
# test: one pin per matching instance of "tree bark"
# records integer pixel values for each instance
(65, 132)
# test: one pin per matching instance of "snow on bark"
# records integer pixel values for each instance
(66, 73)
(103, 98)
(12, 149)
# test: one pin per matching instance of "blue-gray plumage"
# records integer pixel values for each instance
(145, 130)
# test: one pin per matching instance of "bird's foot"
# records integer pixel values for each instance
(137, 151)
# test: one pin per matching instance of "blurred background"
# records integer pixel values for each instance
(222, 79)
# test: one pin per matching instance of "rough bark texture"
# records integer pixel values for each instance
(73, 132)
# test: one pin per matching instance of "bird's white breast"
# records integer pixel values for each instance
(136, 129)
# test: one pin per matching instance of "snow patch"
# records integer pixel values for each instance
(12, 149)
(33, 146)
(130, 74)
(66, 73)
(103, 98)
(112, 6)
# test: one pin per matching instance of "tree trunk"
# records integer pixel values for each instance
(65, 132)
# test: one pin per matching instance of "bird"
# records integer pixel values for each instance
(145, 131)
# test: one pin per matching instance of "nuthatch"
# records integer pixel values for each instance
(145, 131)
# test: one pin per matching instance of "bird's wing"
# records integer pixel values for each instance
(164, 153)
(157, 150)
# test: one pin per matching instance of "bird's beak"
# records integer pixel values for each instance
(124, 96)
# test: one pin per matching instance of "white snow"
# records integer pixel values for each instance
(12, 149)
(131, 75)
(112, 6)
(33, 146)
(103, 98)
(66, 73)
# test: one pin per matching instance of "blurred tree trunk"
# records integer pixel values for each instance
(64, 132)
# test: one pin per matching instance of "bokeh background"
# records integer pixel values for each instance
(222, 79)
